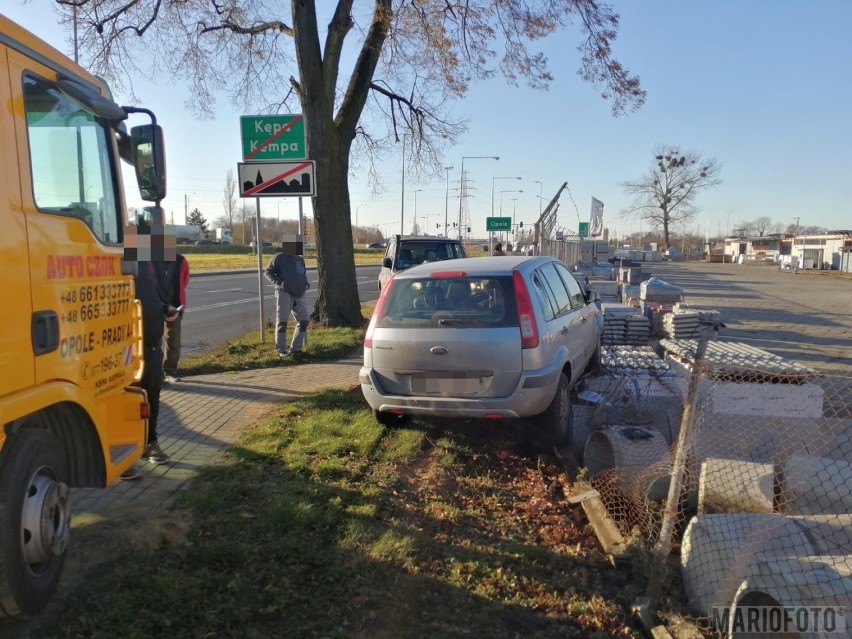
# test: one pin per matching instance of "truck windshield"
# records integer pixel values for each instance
(70, 156)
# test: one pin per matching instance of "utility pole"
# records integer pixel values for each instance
(793, 248)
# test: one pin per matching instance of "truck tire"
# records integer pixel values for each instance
(35, 521)
(554, 424)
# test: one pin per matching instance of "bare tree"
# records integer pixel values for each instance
(229, 201)
(765, 225)
(412, 59)
(667, 195)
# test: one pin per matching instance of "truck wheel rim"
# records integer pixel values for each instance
(45, 521)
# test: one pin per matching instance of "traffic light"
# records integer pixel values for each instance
(521, 225)
(468, 229)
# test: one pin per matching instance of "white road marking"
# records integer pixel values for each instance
(226, 290)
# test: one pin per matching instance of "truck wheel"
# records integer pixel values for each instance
(35, 521)
(554, 424)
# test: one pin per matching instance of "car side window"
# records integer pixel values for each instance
(575, 291)
(557, 288)
(543, 295)
(390, 250)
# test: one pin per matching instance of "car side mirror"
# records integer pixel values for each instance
(387, 263)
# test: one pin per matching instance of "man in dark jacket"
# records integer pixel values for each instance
(151, 287)
(177, 277)
(288, 273)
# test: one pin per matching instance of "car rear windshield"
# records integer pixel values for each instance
(422, 251)
(461, 302)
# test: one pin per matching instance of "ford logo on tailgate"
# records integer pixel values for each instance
(439, 350)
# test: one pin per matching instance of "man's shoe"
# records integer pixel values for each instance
(170, 379)
(154, 454)
(130, 473)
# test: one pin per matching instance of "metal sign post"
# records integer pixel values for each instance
(259, 246)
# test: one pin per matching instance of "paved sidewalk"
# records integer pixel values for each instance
(203, 415)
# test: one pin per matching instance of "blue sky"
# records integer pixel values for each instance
(765, 87)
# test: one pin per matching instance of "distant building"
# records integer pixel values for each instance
(824, 251)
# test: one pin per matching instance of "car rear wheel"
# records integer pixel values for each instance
(554, 424)
(391, 420)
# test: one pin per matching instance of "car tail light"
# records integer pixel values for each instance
(448, 274)
(144, 410)
(368, 337)
(526, 314)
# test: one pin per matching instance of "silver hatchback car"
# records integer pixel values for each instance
(487, 337)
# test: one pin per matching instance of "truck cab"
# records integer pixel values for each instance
(71, 410)
(405, 251)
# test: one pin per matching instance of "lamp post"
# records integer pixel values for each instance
(493, 180)
(447, 204)
(415, 208)
(501, 198)
(186, 206)
(402, 202)
(461, 183)
(539, 197)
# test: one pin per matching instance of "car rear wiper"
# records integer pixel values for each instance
(448, 321)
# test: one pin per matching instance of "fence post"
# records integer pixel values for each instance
(684, 438)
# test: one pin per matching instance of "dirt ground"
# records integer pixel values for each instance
(806, 317)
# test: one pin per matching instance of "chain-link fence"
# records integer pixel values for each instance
(738, 461)
(566, 250)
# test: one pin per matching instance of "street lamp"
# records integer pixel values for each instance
(402, 203)
(461, 182)
(447, 204)
(501, 198)
(494, 179)
(415, 207)
(539, 197)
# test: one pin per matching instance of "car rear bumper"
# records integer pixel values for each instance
(532, 395)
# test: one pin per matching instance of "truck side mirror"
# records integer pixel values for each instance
(149, 160)
(387, 263)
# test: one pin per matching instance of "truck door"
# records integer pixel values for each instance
(16, 360)
(69, 196)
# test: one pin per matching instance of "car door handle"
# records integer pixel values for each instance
(564, 330)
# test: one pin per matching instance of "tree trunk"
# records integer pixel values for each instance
(330, 150)
(666, 227)
(340, 305)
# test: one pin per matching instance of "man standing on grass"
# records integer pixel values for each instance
(288, 273)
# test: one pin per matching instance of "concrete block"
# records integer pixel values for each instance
(638, 457)
(828, 534)
(734, 486)
(815, 485)
(718, 550)
(797, 582)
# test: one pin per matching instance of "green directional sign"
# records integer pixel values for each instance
(583, 231)
(273, 137)
(498, 224)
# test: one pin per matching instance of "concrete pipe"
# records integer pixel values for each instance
(828, 534)
(581, 426)
(811, 590)
(639, 458)
(717, 551)
(815, 485)
(733, 486)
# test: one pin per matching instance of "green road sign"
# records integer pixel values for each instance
(498, 224)
(273, 137)
(584, 229)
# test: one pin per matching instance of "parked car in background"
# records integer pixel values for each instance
(375, 245)
(492, 338)
(253, 244)
(405, 251)
(205, 242)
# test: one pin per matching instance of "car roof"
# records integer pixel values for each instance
(431, 238)
(476, 265)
